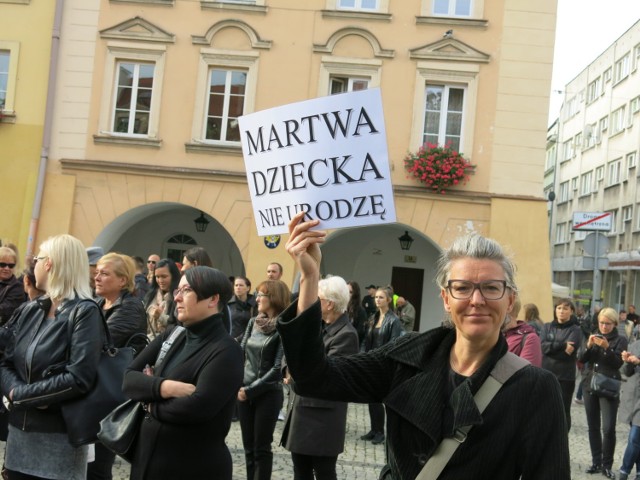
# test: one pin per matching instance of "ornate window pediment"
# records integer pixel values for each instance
(378, 51)
(449, 49)
(138, 29)
(252, 35)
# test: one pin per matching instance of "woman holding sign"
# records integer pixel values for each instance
(428, 381)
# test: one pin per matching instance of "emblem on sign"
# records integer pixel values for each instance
(272, 241)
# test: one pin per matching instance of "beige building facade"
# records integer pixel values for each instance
(146, 136)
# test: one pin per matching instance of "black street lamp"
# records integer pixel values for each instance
(405, 241)
(201, 223)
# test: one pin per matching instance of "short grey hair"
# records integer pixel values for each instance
(477, 247)
(335, 289)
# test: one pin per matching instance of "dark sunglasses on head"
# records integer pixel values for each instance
(152, 262)
(5, 265)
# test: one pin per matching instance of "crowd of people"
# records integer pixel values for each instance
(210, 349)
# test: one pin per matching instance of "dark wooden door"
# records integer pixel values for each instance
(408, 283)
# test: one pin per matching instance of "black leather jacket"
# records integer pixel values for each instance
(49, 362)
(262, 361)
(125, 318)
(390, 329)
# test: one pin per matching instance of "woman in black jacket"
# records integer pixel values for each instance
(355, 310)
(384, 326)
(158, 302)
(560, 340)
(50, 362)
(260, 397)
(189, 397)
(602, 353)
(127, 323)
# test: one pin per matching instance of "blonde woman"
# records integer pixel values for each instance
(50, 362)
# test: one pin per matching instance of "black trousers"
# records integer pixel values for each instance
(567, 387)
(304, 466)
(100, 468)
(258, 420)
(376, 414)
(601, 411)
(22, 476)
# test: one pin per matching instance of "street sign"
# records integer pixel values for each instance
(595, 239)
(591, 221)
(589, 263)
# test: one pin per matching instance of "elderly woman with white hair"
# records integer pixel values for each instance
(54, 358)
(429, 381)
(314, 429)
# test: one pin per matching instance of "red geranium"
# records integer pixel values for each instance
(438, 167)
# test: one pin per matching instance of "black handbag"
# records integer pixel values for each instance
(119, 429)
(602, 385)
(82, 415)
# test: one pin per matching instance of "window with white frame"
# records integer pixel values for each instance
(578, 141)
(563, 192)
(567, 149)
(604, 124)
(617, 121)
(590, 135)
(226, 86)
(225, 102)
(631, 160)
(621, 69)
(586, 183)
(9, 54)
(634, 105)
(561, 233)
(606, 76)
(339, 84)
(550, 159)
(600, 173)
(443, 117)
(132, 106)
(574, 183)
(614, 221)
(369, 5)
(636, 56)
(627, 213)
(593, 90)
(572, 108)
(614, 170)
(452, 8)
(579, 235)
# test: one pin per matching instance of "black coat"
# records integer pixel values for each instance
(521, 434)
(553, 341)
(185, 437)
(607, 361)
(125, 318)
(11, 297)
(50, 361)
(314, 426)
(241, 313)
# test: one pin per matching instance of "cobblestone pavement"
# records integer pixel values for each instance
(362, 460)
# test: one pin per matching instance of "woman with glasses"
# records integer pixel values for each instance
(384, 327)
(427, 381)
(158, 302)
(189, 394)
(11, 289)
(560, 340)
(602, 353)
(261, 397)
(53, 358)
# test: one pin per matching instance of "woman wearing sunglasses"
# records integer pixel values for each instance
(190, 395)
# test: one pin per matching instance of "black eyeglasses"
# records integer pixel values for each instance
(182, 291)
(7, 265)
(490, 289)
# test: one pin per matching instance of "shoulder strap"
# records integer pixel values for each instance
(166, 345)
(502, 371)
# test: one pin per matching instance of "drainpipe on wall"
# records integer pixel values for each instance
(46, 135)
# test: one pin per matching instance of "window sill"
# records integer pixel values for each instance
(613, 185)
(212, 148)
(234, 6)
(128, 141)
(166, 3)
(463, 22)
(7, 117)
(21, 2)
(353, 14)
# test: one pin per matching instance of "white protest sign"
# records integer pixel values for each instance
(327, 156)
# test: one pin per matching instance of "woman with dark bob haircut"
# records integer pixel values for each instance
(428, 380)
(260, 398)
(190, 394)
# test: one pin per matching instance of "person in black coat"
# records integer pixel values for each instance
(602, 353)
(11, 289)
(427, 381)
(355, 310)
(242, 305)
(314, 429)
(560, 340)
(189, 397)
(127, 324)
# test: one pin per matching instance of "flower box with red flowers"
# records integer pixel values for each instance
(437, 167)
